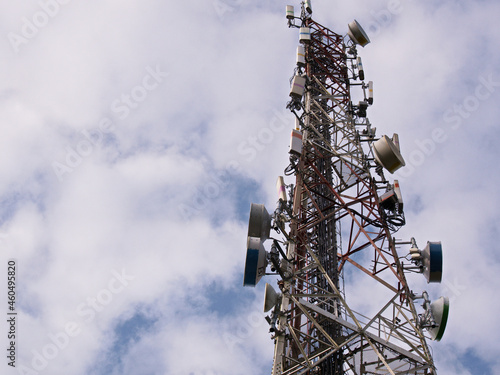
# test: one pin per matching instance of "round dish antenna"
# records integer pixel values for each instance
(432, 259)
(259, 224)
(439, 311)
(357, 34)
(387, 154)
(271, 298)
(255, 263)
(429, 261)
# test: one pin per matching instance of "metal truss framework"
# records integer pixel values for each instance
(339, 232)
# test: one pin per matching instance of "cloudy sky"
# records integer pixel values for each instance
(135, 135)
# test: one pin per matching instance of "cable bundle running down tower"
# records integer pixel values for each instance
(344, 305)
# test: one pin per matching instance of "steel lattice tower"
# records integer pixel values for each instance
(339, 230)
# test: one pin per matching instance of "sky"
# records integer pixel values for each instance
(135, 135)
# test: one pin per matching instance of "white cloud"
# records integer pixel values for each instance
(212, 136)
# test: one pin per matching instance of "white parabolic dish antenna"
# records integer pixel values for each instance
(270, 298)
(259, 223)
(357, 34)
(387, 154)
(439, 310)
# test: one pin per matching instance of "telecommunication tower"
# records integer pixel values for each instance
(344, 305)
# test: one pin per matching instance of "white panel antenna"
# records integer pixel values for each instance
(301, 56)
(305, 35)
(370, 92)
(280, 187)
(298, 86)
(308, 6)
(361, 71)
(296, 142)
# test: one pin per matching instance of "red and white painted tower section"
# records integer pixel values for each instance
(342, 304)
